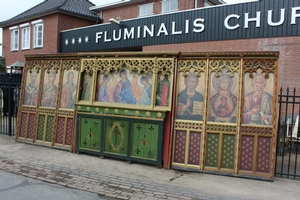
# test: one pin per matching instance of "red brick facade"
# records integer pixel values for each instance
(132, 11)
(288, 48)
(53, 24)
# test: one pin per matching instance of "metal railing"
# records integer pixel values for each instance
(9, 100)
(288, 135)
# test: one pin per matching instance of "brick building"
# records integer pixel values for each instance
(36, 31)
(171, 40)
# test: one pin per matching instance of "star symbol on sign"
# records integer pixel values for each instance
(80, 40)
(86, 39)
(73, 41)
(66, 41)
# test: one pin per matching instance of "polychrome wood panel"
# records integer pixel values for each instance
(144, 140)
(228, 146)
(60, 130)
(40, 128)
(247, 153)
(212, 150)
(49, 128)
(69, 131)
(23, 126)
(179, 147)
(194, 148)
(90, 131)
(31, 126)
(264, 152)
(116, 136)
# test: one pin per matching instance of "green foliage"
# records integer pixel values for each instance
(2, 64)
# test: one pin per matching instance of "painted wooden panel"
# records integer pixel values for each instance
(90, 130)
(180, 146)
(49, 128)
(116, 136)
(23, 127)
(40, 129)
(212, 150)
(69, 133)
(194, 148)
(263, 154)
(145, 140)
(228, 146)
(60, 130)
(247, 152)
(31, 126)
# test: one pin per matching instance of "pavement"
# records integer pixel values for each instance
(115, 179)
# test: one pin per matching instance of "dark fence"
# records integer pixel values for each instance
(288, 138)
(9, 100)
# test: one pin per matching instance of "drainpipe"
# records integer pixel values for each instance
(196, 3)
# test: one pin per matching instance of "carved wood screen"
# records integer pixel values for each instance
(226, 111)
(46, 113)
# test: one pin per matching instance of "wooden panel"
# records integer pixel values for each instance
(90, 130)
(247, 153)
(263, 154)
(40, 129)
(116, 136)
(31, 126)
(23, 127)
(228, 151)
(60, 130)
(194, 148)
(212, 150)
(180, 146)
(49, 128)
(144, 140)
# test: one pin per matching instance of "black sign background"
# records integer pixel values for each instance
(213, 21)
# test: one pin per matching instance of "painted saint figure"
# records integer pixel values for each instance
(123, 91)
(163, 90)
(68, 94)
(223, 103)
(146, 95)
(102, 92)
(190, 101)
(31, 90)
(50, 91)
(258, 104)
(86, 86)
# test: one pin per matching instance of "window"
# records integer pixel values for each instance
(146, 10)
(25, 36)
(169, 5)
(14, 38)
(38, 33)
(207, 4)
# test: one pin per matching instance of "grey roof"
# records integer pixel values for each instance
(17, 64)
(79, 8)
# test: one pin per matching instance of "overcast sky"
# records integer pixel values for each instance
(11, 8)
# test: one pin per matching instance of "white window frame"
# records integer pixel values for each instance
(146, 10)
(38, 35)
(14, 36)
(25, 36)
(169, 6)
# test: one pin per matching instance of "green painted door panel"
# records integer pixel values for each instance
(212, 150)
(144, 140)
(90, 133)
(40, 128)
(228, 151)
(116, 136)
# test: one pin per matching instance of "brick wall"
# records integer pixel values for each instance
(132, 11)
(288, 48)
(53, 24)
